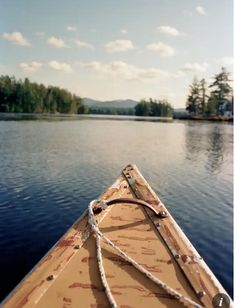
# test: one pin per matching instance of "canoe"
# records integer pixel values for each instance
(125, 251)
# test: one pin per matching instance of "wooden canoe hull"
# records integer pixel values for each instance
(68, 276)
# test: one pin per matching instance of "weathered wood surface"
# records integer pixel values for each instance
(68, 275)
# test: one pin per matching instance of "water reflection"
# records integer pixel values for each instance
(215, 151)
(205, 144)
(193, 142)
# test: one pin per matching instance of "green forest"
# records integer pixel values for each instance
(111, 110)
(218, 102)
(160, 108)
(30, 97)
(23, 96)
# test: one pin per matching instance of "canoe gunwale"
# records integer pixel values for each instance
(100, 236)
(61, 254)
(131, 172)
(43, 264)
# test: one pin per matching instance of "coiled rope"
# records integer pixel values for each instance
(100, 236)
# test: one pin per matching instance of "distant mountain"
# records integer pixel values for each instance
(89, 101)
(120, 103)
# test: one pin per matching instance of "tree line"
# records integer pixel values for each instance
(24, 96)
(217, 102)
(30, 97)
(110, 110)
(160, 108)
(143, 108)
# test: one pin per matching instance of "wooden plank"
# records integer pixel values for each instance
(202, 280)
(35, 285)
(68, 275)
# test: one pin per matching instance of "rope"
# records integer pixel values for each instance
(100, 236)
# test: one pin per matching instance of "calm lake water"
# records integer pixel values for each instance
(50, 170)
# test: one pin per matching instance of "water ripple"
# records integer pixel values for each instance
(50, 172)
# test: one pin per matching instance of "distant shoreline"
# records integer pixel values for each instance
(4, 116)
(215, 118)
(48, 116)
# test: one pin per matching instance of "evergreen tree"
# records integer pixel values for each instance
(143, 108)
(203, 96)
(154, 108)
(221, 90)
(25, 96)
(193, 104)
(211, 107)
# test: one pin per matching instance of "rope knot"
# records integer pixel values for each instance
(103, 204)
(96, 205)
(99, 206)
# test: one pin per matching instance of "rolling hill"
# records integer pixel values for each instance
(121, 103)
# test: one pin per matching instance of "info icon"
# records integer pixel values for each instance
(221, 300)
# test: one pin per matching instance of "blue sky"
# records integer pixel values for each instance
(111, 49)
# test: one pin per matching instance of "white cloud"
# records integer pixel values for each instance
(60, 66)
(124, 31)
(169, 30)
(152, 74)
(17, 38)
(162, 49)
(119, 45)
(200, 10)
(71, 28)
(95, 65)
(30, 67)
(123, 70)
(194, 67)
(56, 42)
(82, 44)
